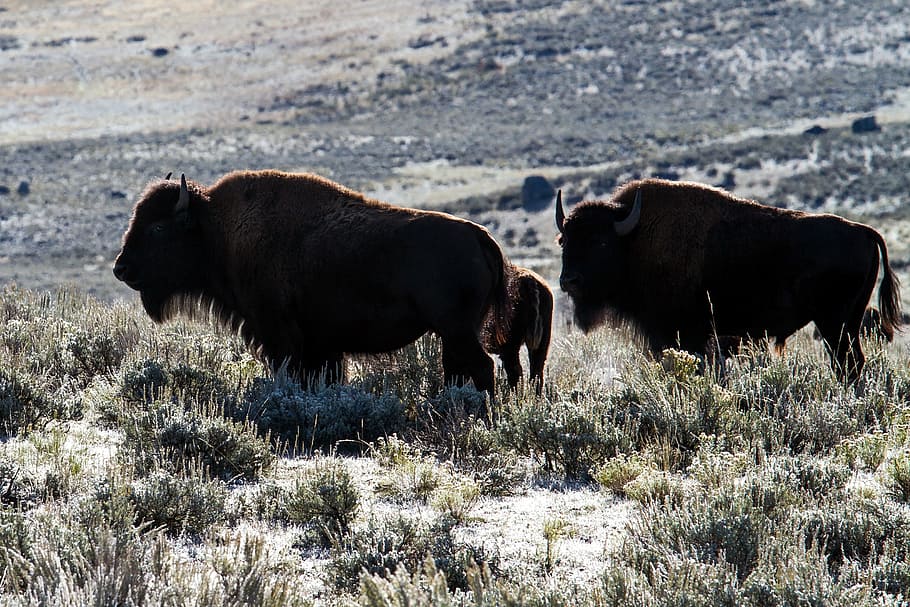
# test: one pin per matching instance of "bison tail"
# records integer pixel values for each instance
(497, 325)
(544, 322)
(536, 328)
(889, 296)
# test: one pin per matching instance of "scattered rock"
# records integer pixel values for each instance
(529, 238)
(536, 193)
(4, 190)
(866, 124)
(728, 182)
(136, 38)
(815, 129)
(8, 43)
(425, 41)
(23, 188)
(69, 40)
(160, 51)
(117, 194)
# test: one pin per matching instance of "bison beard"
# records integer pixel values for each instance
(308, 271)
(589, 314)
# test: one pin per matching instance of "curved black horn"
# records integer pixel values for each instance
(183, 203)
(560, 213)
(628, 224)
(168, 176)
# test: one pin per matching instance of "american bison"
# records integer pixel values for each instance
(530, 326)
(308, 270)
(685, 262)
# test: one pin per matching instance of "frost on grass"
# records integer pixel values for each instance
(320, 418)
(761, 486)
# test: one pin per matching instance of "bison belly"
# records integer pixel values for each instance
(776, 280)
(365, 325)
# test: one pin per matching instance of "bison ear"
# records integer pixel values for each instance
(625, 227)
(560, 213)
(182, 211)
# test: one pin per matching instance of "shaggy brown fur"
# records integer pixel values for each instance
(703, 262)
(530, 326)
(308, 270)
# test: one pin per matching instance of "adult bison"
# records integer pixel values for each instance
(308, 270)
(529, 326)
(687, 262)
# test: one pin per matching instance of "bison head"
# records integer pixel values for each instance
(594, 241)
(162, 255)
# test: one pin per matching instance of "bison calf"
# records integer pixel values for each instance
(308, 270)
(530, 326)
(687, 261)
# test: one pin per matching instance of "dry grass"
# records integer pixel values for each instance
(640, 485)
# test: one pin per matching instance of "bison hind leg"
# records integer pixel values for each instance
(512, 365)
(842, 343)
(463, 358)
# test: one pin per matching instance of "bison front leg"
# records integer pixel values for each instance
(537, 359)
(463, 358)
(512, 365)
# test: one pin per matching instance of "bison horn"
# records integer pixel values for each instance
(183, 203)
(628, 224)
(168, 176)
(560, 214)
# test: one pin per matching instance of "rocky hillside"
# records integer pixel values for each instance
(442, 104)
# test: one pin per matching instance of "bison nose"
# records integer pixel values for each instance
(122, 272)
(570, 283)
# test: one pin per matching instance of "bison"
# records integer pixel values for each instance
(308, 271)
(686, 262)
(530, 325)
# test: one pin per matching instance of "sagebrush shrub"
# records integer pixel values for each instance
(16, 544)
(857, 530)
(19, 489)
(897, 476)
(456, 500)
(26, 404)
(569, 437)
(167, 435)
(266, 501)
(323, 417)
(725, 528)
(614, 474)
(790, 573)
(179, 504)
(325, 499)
(403, 543)
(143, 381)
(146, 380)
(426, 585)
